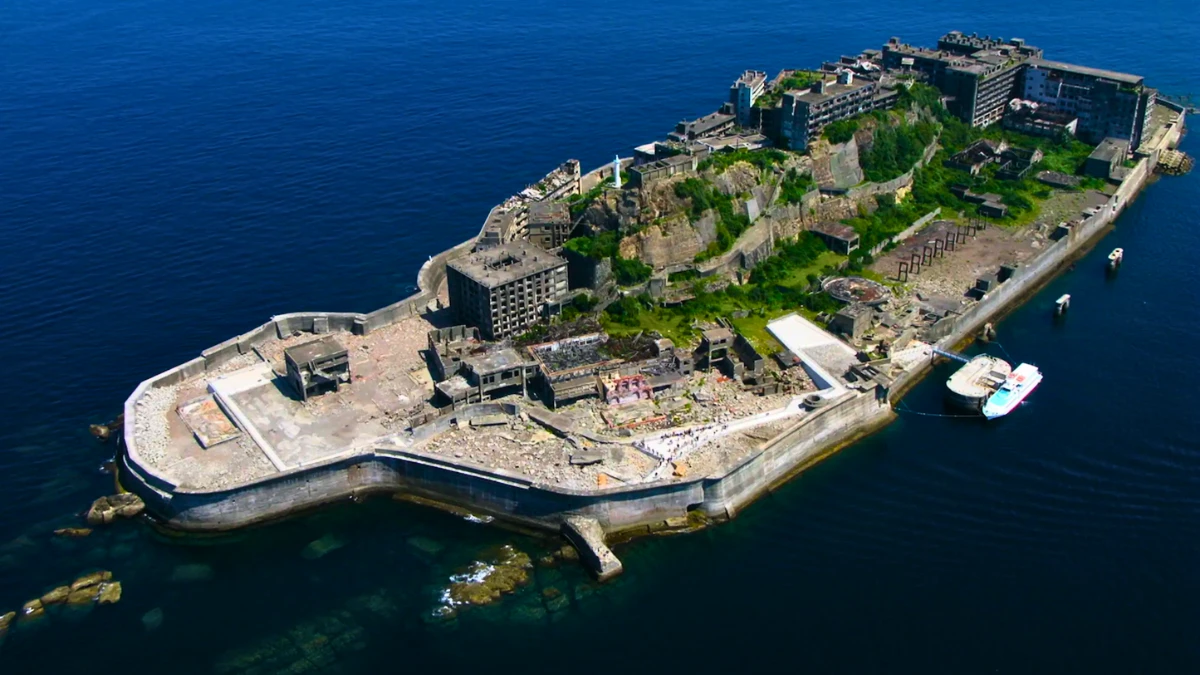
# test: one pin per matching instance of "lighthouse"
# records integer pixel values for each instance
(617, 171)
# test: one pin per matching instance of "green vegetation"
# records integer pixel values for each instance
(599, 247)
(896, 149)
(762, 159)
(579, 306)
(630, 271)
(841, 131)
(579, 203)
(704, 196)
(794, 186)
(626, 271)
(783, 283)
(798, 80)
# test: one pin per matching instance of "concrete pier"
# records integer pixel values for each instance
(588, 538)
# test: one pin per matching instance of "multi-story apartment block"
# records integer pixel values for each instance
(1108, 104)
(805, 113)
(549, 224)
(978, 75)
(504, 290)
(744, 93)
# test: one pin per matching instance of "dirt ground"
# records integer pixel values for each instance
(946, 280)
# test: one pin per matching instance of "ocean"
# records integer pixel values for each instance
(173, 174)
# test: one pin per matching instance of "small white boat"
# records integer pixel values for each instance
(1115, 258)
(1020, 383)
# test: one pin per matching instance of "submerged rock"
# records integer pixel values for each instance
(106, 431)
(153, 619)
(6, 621)
(567, 552)
(191, 572)
(107, 509)
(426, 545)
(322, 547)
(73, 532)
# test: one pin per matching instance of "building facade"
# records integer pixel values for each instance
(745, 92)
(1108, 104)
(803, 114)
(504, 290)
(549, 224)
(979, 75)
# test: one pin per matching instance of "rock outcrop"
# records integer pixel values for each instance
(107, 509)
(483, 583)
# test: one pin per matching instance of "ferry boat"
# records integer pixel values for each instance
(1020, 383)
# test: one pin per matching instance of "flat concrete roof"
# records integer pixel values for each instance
(815, 346)
(506, 263)
(1110, 149)
(316, 349)
(496, 360)
(1084, 70)
(549, 212)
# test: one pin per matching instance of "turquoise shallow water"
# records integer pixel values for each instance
(174, 174)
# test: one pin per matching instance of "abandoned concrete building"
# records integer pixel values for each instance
(1105, 159)
(1107, 103)
(744, 93)
(978, 75)
(470, 370)
(838, 237)
(729, 353)
(549, 224)
(504, 290)
(317, 367)
(852, 320)
(709, 125)
(1014, 163)
(805, 113)
(576, 367)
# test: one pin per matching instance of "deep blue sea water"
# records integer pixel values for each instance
(172, 174)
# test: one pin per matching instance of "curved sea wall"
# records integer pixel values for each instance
(502, 494)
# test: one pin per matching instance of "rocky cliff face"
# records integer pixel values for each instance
(672, 241)
(836, 166)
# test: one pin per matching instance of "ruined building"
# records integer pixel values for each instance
(981, 76)
(1107, 104)
(744, 93)
(978, 75)
(804, 114)
(504, 290)
(549, 224)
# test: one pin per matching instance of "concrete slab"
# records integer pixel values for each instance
(207, 421)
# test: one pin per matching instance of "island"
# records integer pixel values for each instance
(653, 344)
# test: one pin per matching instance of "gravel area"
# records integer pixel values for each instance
(528, 449)
(151, 429)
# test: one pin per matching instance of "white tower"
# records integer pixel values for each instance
(617, 171)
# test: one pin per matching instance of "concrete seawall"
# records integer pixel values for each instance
(502, 494)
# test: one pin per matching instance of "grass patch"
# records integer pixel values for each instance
(764, 159)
